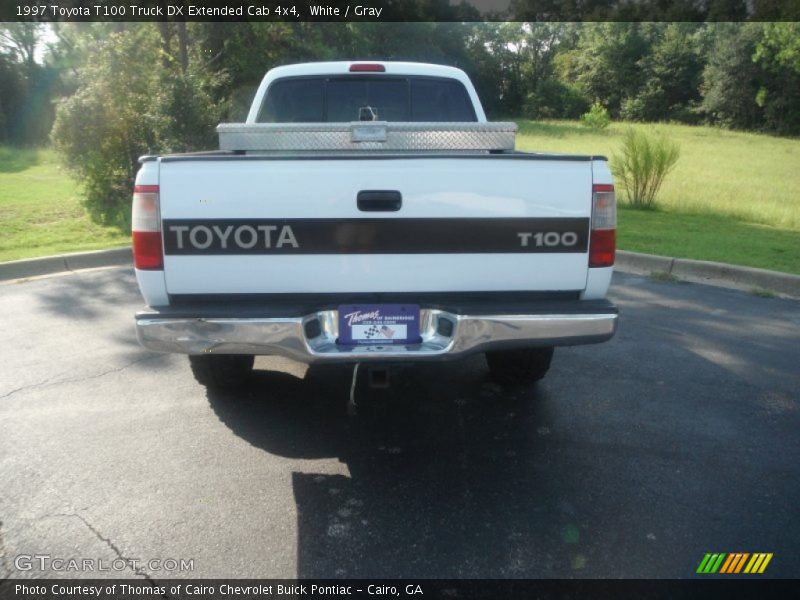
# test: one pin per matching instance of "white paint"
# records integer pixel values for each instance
(431, 188)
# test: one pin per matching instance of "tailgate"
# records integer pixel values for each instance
(247, 224)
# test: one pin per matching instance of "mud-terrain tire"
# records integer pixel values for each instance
(222, 371)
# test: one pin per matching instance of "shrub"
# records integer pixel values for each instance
(103, 128)
(128, 105)
(597, 117)
(643, 163)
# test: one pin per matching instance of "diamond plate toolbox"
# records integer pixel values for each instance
(366, 136)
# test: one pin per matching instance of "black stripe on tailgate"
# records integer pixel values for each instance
(375, 236)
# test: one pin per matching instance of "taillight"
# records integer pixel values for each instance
(603, 239)
(146, 228)
(367, 68)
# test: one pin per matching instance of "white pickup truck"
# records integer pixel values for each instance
(368, 213)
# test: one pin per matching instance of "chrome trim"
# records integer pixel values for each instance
(286, 336)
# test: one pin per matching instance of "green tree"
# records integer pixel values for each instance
(20, 40)
(513, 66)
(777, 53)
(131, 100)
(503, 63)
(606, 63)
(545, 95)
(731, 79)
(672, 73)
(107, 124)
(12, 95)
(26, 85)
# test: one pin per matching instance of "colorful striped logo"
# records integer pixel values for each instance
(736, 562)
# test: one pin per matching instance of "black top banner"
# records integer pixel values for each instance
(399, 10)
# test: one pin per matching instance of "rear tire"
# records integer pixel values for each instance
(221, 371)
(519, 366)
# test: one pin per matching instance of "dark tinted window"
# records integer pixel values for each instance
(440, 100)
(294, 101)
(338, 99)
(387, 97)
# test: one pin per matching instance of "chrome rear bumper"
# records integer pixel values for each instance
(312, 338)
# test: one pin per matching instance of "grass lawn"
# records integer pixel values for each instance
(709, 237)
(41, 211)
(733, 197)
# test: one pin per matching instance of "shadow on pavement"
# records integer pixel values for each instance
(443, 474)
(89, 295)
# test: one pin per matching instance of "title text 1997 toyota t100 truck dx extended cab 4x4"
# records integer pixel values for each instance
(367, 212)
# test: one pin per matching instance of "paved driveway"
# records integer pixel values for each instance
(632, 459)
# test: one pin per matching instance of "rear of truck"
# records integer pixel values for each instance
(372, 255)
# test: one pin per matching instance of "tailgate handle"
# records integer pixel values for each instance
(377, 200)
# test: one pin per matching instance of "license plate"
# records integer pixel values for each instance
(378, 324)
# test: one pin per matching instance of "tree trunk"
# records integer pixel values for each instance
(183, 46)
(216, 40)
(166, 43)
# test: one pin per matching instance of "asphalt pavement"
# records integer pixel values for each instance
(632, 458)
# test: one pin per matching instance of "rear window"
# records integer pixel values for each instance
(340, 99)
